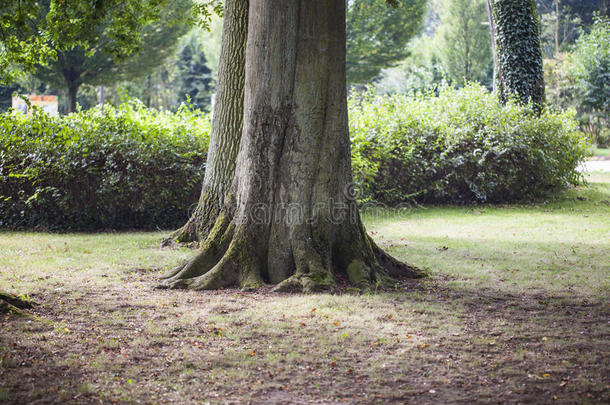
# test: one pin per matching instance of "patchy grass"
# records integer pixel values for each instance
(516, 310)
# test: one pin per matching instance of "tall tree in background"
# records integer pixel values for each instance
(290, 217)
(195, 79)
(518, 55)
(93, 65)
(29, 29)
(377, 34)
(466, 51)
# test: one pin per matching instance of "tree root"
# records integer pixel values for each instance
(10, 303)
(232, 256)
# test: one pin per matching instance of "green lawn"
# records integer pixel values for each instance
(601, 151)
(515, 310)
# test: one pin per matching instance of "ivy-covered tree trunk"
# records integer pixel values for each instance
(226, 125)
(518, 54)
(290, 217)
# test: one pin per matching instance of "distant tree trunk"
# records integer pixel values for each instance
(557, 16)
(72, 94)
(290, 217)
(492, 33)
(517, 50)
(226, 125)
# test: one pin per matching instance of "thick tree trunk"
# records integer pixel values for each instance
(290, 217)
(72, 94)
(226, 125)
(518, 53)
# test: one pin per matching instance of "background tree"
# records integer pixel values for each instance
(195, 80)
(518, 55)
(93, 65)
(30, 29)
(465, 46)
(377, 34)
(289, 217)
(590, 69)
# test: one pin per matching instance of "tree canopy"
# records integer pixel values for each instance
(377, 34)
(96, 64)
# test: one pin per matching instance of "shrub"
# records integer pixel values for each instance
(460, 147)
(131, 167)
(125, 167)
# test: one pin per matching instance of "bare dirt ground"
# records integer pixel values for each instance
(425, 343)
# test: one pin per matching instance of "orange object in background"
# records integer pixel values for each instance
(48, 103)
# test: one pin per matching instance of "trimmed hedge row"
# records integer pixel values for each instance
(130, 167)
(461, 147)
(123, 168)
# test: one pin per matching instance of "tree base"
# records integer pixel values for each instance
(230, 257)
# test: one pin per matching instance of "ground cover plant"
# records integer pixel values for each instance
(515, 311)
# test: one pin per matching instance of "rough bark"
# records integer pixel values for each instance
(518, 53)
(226, 125)
(290, 217)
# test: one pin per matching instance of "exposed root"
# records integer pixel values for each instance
(200, 223)
(10, 303)
(394, 267)
(233, 256)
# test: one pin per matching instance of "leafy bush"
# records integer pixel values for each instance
(460, 147)
(125, 167)
(131, 167)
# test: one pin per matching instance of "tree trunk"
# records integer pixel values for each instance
(290, 217)
(492, 33)
(72, 93)
(518, 53)
(226, 125)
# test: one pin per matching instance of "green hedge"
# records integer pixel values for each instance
(123, 168)
(130, 167)
(460, 147)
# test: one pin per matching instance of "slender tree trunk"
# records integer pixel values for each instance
(72, 93)
(492, 33)
(290, 217)
(557, 16)
(226, 125)
(517, 50)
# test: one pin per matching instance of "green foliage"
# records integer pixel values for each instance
(132, 167)
(125, 167)
(518, 52)
(94, 65)
(466, 46)
(591, 68)
(377, 34)
(28, 33)
(463, 146)
(195, 78)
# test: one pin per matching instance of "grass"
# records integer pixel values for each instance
(515, 310)
(601, 151)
